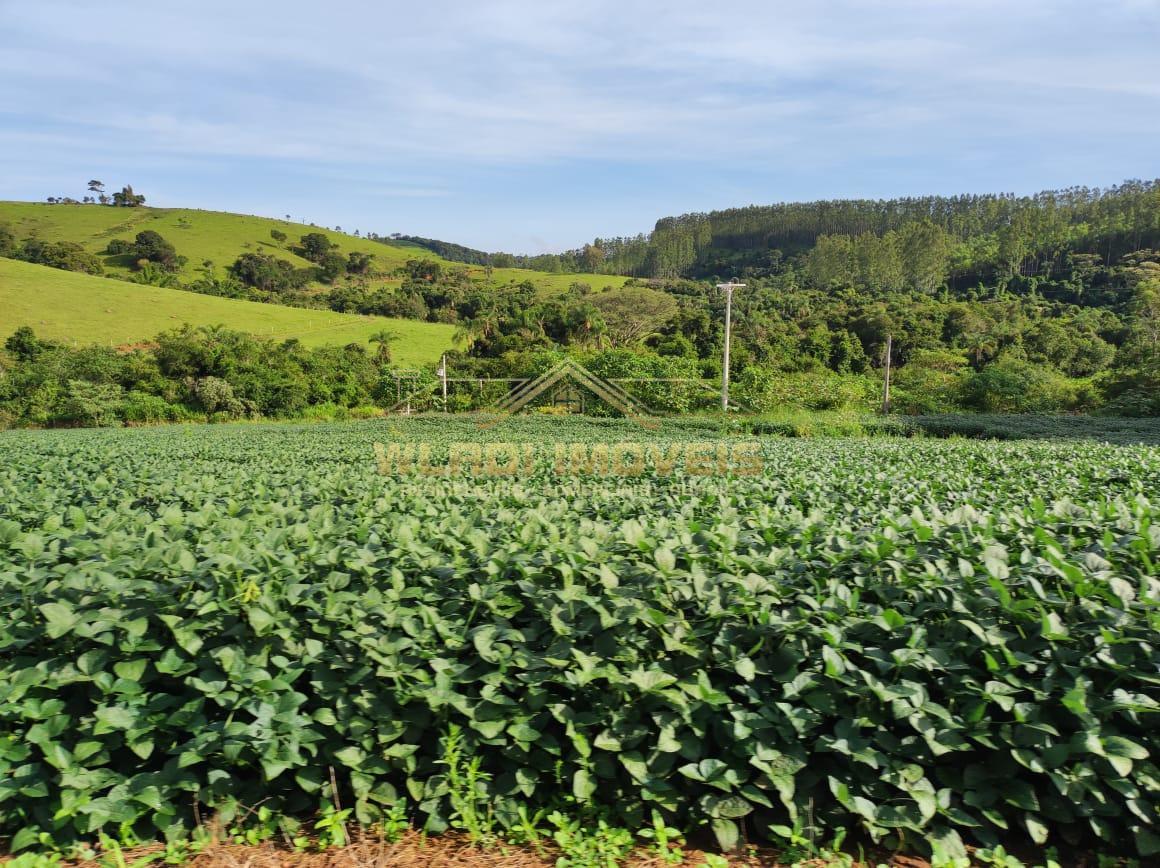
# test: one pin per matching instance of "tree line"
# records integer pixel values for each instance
(984, 237)
(123, 198)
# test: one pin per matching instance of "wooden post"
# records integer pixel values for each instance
(886, 380)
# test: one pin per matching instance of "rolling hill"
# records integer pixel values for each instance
(221, 237)
(66, 306)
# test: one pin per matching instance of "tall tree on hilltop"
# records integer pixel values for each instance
(126, 198)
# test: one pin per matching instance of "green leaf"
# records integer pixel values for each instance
(113, 717)
(583, 787)
(1147, 842)
(947, 849)
(1118, 746)
(351, 756)
(61, 618)
(666, 560)
(727, 807)
(260, 620)
(1036, 828)
(131, 670)
(745, 668)
(728, 835)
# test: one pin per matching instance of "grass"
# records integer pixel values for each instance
(993, 426)
(62, 305)
(221, 237)
(798, 422)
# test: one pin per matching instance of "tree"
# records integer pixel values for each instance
(632, 313)
(1135, 386)
(126, 198)
(925, 250)
(149, 246)
(1013, 385)
(384, 339)
(981, 345)
(8, 245)
(278, 235)
(315, 246)
(267, 273)
(478, 329)
(90, 404)
(98, 188)
(24, 345)
(930, 382)
(831, 262)
(591, 258)
(359, 262)
(332, 267)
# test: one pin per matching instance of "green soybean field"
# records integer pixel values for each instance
(920, 644)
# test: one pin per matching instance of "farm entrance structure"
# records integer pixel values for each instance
(567, 385)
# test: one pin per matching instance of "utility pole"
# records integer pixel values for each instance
(728, 290)
(886, 380)
(443, 379)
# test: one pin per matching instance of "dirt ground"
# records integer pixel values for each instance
(415, 850)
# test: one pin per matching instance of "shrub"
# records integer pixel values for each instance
(145, 409)
(762, 389)
(65, 255)
(1013, 385)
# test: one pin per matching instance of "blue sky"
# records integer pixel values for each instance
(533, 126)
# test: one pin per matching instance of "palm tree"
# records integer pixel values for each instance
(384, 339)
(980, 344)
(478, 328)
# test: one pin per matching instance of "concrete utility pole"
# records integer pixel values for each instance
(886, 380)
(728, 290)
(443, 379)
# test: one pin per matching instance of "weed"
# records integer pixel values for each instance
(466, 782)
(586, 845)
(665, 840)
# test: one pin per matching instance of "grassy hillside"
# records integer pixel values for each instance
(221, 237)
(62, 305)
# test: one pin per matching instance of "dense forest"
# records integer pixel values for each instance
(993, 302)
(965, 239)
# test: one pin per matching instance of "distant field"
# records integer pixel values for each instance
(221, 237)
(62, 305)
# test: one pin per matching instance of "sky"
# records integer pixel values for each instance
(537, 125)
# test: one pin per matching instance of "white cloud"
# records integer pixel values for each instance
(448, 86)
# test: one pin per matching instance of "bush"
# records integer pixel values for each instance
(661, 397)
(366, 412)
(144, 409)
(1013, 385)
(762, 390)
(216, 397)
(325, 413)
(65, 255)
(268, 273)
(930, 382)
(91, 405)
